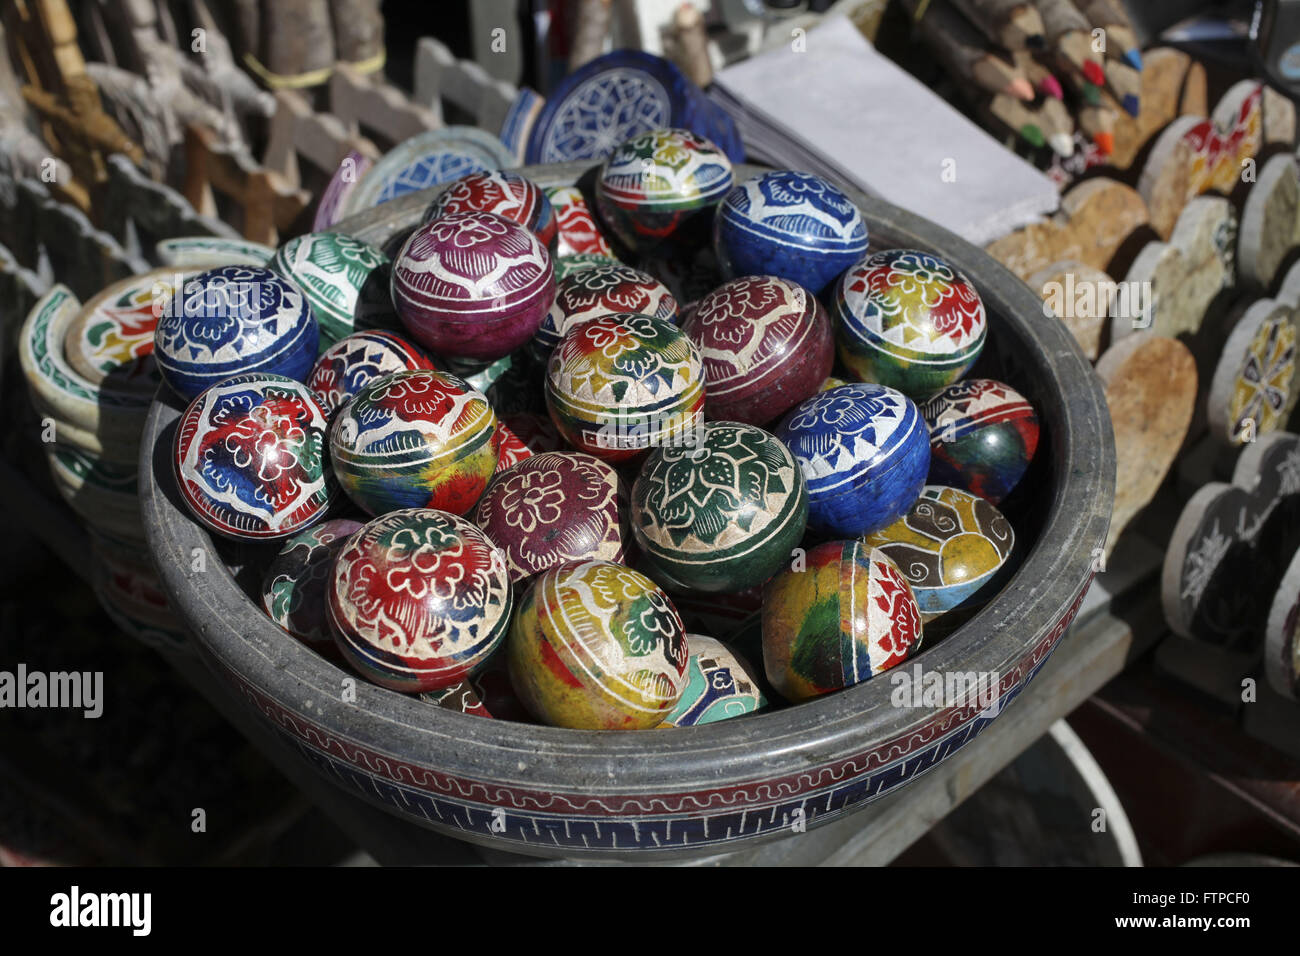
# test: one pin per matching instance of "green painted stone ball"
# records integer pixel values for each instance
(721, 513)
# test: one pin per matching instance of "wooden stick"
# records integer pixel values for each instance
(1121, 40)
(1069, 34)
(1046, 123)
(692, 44)
(1099, 123)
(589, 35)
(1126, 83)
(963, 52)
(1043, 79)
(1012, 24)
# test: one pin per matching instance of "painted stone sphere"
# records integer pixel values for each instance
(535, 430)
(623, 383)
(659, 185)
(600, 290)
(767, 345)
(344, 280)
(983, 435)
(567, 265)
(472, 285)
(355, 361)
(578, 233)
(865, 452)
(234, 320)
(949, 545)
(597, 646)
(513, 449)
(909, 320)
(719, 685)
(294, 587)
(250, 458)
(553, 509)
(722, 514)
(845, 618)
(506, 194)
(420, 439)
(793, 225)
(418, 599)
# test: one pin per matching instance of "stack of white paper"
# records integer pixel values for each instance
(829, 103)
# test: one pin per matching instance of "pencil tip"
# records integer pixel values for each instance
(1132, 105)
(1062, 144)
(1033, 135)
(1092, 94)
(1105, 142)
(1133, 58)
(1093, 73)
(1052, 87)
(1021, 88)
(1036, 42)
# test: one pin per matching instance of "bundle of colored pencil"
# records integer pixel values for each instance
(1018, 59)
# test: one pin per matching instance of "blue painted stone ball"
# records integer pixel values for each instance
(230, 321)
(864, 450)
(793, 225)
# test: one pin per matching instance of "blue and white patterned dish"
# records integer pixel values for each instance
(864, 450)
(428, 159)
(231, 320)
(793, 225)
(620, 95)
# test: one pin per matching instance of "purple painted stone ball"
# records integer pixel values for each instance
(767, 345)
(472, 285)
(552, 509)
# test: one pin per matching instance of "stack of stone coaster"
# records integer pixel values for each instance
(91, 376)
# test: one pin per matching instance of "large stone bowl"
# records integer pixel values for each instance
(654, 795)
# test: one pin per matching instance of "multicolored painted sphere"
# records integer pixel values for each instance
(473, 285)
(420, 439)
(864, 450)
(949, 545)
(719, 685)
(793, 225)
(844, 618)
(909, 320)
(767, 345)
(234, 320)
(657, 184)
(722, 514)
(504, 193)
(597, 646)
(566, 266)
(485, 693)
(620, 384)
(294, 588)
(355, 361)
(553, 509)
(600, 290)
(578, 233)
(512, 450)
(418, 599)
(534, 429)
(344, 280)
(983, 435)
(250, 458)
(460, 697)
